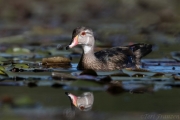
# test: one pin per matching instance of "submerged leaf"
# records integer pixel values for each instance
(23, 101)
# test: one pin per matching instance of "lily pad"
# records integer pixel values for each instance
(26, 75)
(132, 72)
(56, 62)
(23, 66)
(18, 50)
(63, 76)
(2, 71)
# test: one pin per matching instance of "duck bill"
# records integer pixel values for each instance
(73, 43)
(73, 99)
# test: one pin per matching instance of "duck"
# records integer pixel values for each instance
(83, 102)
(115, 58)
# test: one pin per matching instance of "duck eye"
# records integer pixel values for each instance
(83, 33)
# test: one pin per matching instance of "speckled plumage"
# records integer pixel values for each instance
(114, 58)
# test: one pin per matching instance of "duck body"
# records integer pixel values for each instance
(115, 58)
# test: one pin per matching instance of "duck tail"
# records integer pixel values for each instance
(140, 50)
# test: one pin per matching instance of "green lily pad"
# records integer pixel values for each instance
(2, 71)
(22, 66)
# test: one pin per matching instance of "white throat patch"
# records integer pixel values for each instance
(87, 49)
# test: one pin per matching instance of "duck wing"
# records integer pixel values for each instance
(140, 50)
(127, 54)
(115, 55)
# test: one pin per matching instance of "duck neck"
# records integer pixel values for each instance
(88, 49)
(87, 56)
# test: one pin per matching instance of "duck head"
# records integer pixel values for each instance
(83, 102)
(84, 37)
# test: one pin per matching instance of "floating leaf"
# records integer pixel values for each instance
(18, 50)
(158, 75)
(2, 59)
(56, 62)
(132, 72)
(26, 75)
(63, 76)
(2, 71)
(22, 66)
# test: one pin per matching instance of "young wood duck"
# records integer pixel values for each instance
(83, 102)
(114, 58)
